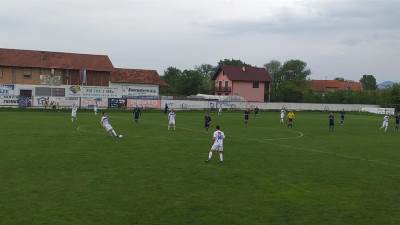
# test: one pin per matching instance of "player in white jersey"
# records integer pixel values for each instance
(283, 114)
(171, 119)
(95, 108)
(74, 111)
(385, 123)
(217, 144)
(220, 110)
(105, 122)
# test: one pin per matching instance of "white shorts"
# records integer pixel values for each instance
(385, 124)
(108, 127)
(217, 148)
(73, 115)
(171, 122)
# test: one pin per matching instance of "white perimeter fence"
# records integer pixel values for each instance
(65, 102)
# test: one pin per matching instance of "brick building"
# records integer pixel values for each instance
(56, 68)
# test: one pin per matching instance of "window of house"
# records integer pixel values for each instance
(1, 73)
(226, 83)
(256, 84)
(220, 84)
(27, 74)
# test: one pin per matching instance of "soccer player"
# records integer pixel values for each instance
(105, 122)
(246, 117)
(256, 110)
(136, 114)
(74, 111)
(342, 113)
(166, 108)
(291, 118)
(207, 121)
(95, 108)
(283, 114)
(385, 123)
(217, 144)
(220, 110)
(171, 119)
(397, 118)
(331, 118)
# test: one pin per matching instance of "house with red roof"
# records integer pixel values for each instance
(246, 81)
(57, 68)
(136, 82)
(334, 85)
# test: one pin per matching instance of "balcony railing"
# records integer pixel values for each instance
(223, 89)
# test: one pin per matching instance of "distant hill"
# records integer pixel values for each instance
(385, 85)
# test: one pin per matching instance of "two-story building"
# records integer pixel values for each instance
(246, 81)
(53, 68)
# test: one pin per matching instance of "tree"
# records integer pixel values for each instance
(232, 62)
(191, 82)
(295, 70)
(207, 71)
(368, 82)
(289, 81)
(172, 77)
(273, 68)
(187, 82)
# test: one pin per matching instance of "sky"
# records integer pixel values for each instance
(338, 38)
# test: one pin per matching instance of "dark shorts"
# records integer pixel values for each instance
(246, 118)
(290, 120)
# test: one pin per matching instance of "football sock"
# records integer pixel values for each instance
(221, 157)
(114, 133)
(209, 155)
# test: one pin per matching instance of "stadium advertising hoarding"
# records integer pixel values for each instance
(381, 111)
(116, 103)
(9, 100)
(92, 92)
(90, 103)
(7, 89)
(46, 101)
(147, 104)
(139, 90)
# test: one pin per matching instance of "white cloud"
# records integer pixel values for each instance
(335, 37)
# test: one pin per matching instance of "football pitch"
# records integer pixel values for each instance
(59, 173)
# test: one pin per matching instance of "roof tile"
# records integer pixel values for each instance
(56, 60)
(136, 76)
(245, 73)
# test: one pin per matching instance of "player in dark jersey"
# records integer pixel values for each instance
(256, 110)
(342, 114)
(246, 116)
(331, 118)
(166, 108)
(207, 121)
(136, 114)
(397, 118)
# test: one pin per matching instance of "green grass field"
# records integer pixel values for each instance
(58, 173)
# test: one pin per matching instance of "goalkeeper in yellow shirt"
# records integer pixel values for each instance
(291, 118)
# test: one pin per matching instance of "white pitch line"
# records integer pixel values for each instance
(266, 140)
(377, 162)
